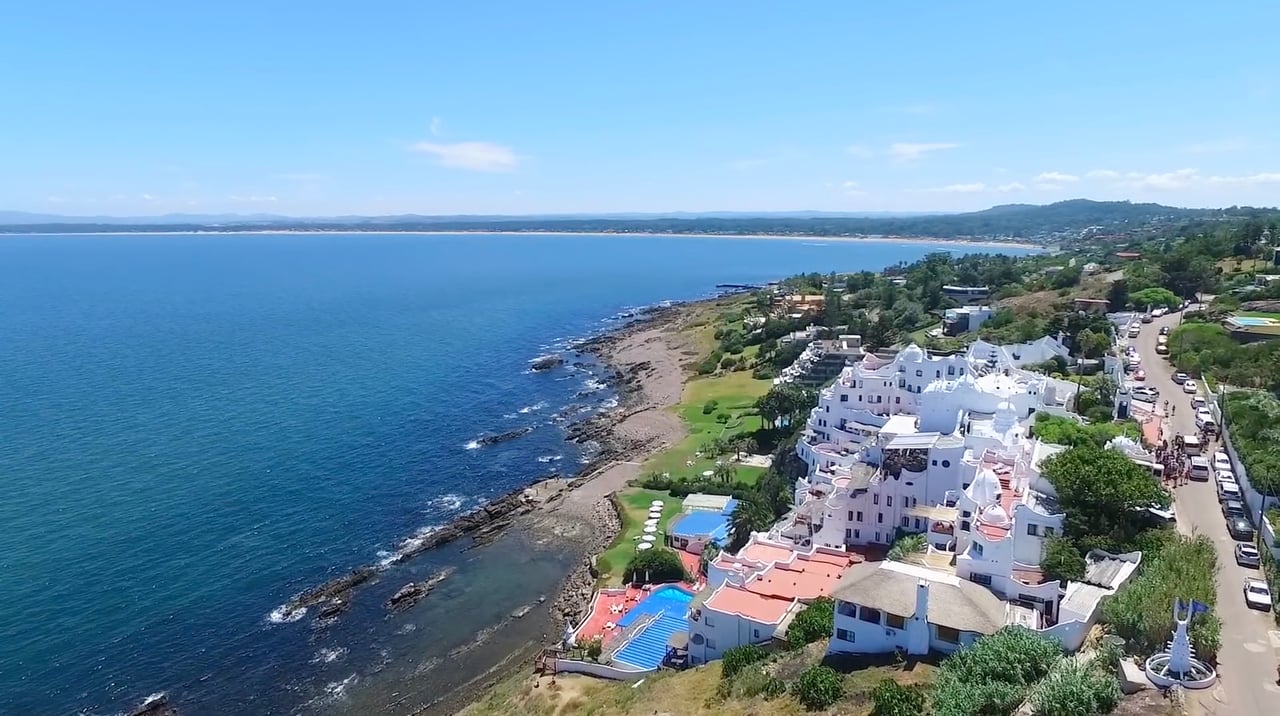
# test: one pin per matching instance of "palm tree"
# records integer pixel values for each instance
(709, 553)
(749, 516)
(743, 444)
(725, 472)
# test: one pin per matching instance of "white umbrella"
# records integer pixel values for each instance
(657, 503)
(655, 515)
(649, 539)
(708, 473)
(650, 529)
(643, 546)
(651, 522)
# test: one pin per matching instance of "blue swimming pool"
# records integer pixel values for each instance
(1253, 321)
(648, 647)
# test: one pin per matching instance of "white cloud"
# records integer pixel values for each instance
(1252, 179)
(145, 197)
(254, 198)
(909, 151)
(973, 188)
(850, 188)
(1167, 181)
(860, 151)
(1055, 178)
(1103, 174)
(1011, 186)
(474, 156)
(1218, 146)
(437, 126)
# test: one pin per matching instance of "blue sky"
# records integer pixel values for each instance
(519, 107)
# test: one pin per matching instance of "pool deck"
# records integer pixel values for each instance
(610, 605)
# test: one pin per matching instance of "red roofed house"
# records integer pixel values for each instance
(750, 598)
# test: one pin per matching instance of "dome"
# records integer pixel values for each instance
(1005, 417)
(995, 515)
(985, 489)
(912, 354)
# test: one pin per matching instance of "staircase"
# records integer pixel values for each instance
(648, 647)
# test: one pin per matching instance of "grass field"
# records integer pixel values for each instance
(635, 502)
(692, 692)
(735, 395)
(1235, 265)
(1259, 314)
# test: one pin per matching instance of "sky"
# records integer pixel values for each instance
(329, 108)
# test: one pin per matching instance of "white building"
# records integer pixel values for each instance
(890, 606)
(1018, 355)
(967, 318)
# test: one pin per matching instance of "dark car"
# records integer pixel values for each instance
(1240, 529)
(1232, 509)
(1164, 330)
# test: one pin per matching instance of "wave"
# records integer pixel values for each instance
(592, 385)
(531, 408)
(284, 615)
(449, 503)
(407, 545)
(334, 691)
(473, 445)
(329, 655)
(550, 458)
(609, 404)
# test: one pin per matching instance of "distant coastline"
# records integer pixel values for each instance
(810, 238)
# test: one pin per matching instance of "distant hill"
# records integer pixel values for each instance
(1064, 220)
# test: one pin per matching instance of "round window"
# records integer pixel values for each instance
(696, 639)
(946, 463)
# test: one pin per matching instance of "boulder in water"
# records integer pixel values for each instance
(547, 362)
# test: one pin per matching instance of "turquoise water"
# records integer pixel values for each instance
(196, 427)
(648, 648)
(1252, 321)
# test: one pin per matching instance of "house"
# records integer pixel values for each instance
(963, 320)
(892, 606)
(692, 531)
(1091, 305)
(964, 294)
(799, 305)
(699, 502)
(1128, 255)
(751, 597)
(1018, 355)
(821, 361)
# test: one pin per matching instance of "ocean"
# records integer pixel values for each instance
(195, 427)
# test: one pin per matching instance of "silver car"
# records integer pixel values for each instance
(1256, 594)
(1247, 556)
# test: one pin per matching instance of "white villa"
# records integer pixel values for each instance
(940, 446)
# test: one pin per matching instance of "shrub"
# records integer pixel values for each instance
(816, 621)
(818, 687)
(740, 657)
(728, 363)
(1076, 690)
(594, 647)
(654, 566)
(1062, 561)
(907, 545)
(710, 406)
(994, 675)
(894, 699)
(722, 418)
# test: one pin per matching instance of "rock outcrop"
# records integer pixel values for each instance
(503, 437)
(414, 592)
(547, 362)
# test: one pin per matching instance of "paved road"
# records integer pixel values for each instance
(1250, 641)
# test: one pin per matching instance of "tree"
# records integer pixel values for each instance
(906, 546)
(594, 648)
(750, 515)
(744, 444)
(1104, 495)
(894, 699)
(709, 553)
(1062, 561)
(818, 687)
(1076, 689)
(881, 333)
(816, 621)
(654, 566)
(1118, 294)
(725, 472)
(993, 675)
(1090, 344)
(740, 657)
(1155, 297)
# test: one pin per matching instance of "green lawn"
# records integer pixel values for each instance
(735, 395)
(635, 502)
(1259, 314)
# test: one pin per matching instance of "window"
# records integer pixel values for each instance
(859, 516)
(951, 370)
(1048, 531)
(869, 615)
(851, 515)
(1033, 530)
(844, 397)
(962, 371)
(859, 397)
(875, 498)
(983, 579)
(888, 501)
(934, 463)
(938, 372)
(946, 463)
(906, 522)
(711, 643)
(755, 633)
(844, 635)
(945, 634)
(964, 526)
(894, 621)
(966, 514)
(917, 523)
(897, 399)
(977, 548)
(913, 500)
(847, 534)
(706, 619)
(857, 534)
(879, 518)
(919, 374)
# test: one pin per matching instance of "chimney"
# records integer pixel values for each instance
(922, 600)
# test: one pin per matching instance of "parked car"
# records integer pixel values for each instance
(1200, 470)
(1247, 556)
(1146, 394)
(1157, 312)
(1162, 339)
(1204, 420)
(1240, 529)
(1164, 330)
(1162, 350)
(1190, 387)
(1181, 378)
(1191, 444)
(1221, 461)
(1232, 509)
(1256, 594)
(1139, 375)
(1199, 402)
(1146, 318)
(1226, 476)
(1228, 492)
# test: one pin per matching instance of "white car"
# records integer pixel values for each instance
(1190, 387)
(1181, 378)
(1221, 462)
(1226, 477)
(1204, 419)
(1199, 468)
(1256, 594)
(1227, 491)
(1199, 402)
